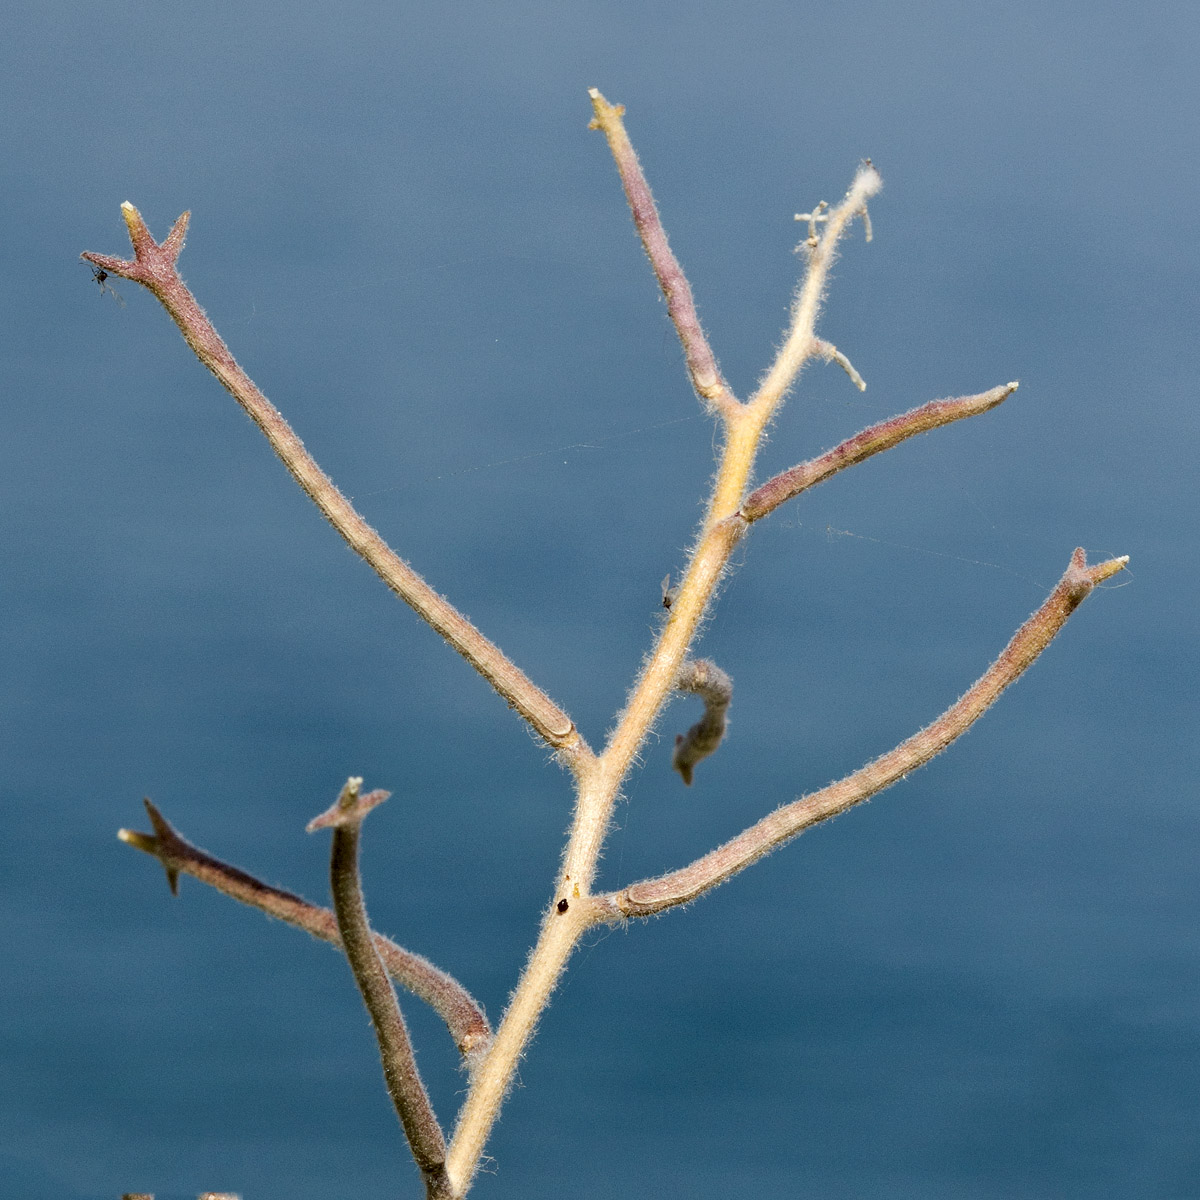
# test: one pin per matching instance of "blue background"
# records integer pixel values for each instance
(986, 984)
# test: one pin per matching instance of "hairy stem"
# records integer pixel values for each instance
(871, 441)
(801, 340)
(464, 1017)
(404, 1084)
(493, 1077)
(729, 513)
(154, 267)
(655, 895)
(701, 362)
(723, 528)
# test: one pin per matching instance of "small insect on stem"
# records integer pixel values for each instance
(100, 275)
(668, 592)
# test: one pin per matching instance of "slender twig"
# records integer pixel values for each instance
(678, 887)
(872, 440)
(154, 267)
(830, 353)
(404, 1085)
(715, 688)
(701, 362)
(463, 1015)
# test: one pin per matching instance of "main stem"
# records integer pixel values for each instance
(598, 780)
(598, 789)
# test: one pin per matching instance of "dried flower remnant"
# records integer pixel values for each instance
(715, 688)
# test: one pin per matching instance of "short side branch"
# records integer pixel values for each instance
(870, 441)
(830, 353)
(715, 688)
(655, 895)
(154, 267)
(445, 995)
(701, 362)
(800, 342)
(404, 1084)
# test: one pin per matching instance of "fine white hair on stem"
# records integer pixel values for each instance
(800, 340)
(731, 511)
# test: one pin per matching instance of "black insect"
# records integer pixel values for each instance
(100, 275)
(668, 592)
(562, 906)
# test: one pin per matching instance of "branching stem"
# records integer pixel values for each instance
(464, 1017)
(654, 895)
(729, 514)
(154, 266)
(830, 353)
(723, 528)
(871, 441)
(801, 341)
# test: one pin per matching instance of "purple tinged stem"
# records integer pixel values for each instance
(154, 267)
(654, 895)
(404, 1084)
(872, 440)
(681, 306)
(445, 995)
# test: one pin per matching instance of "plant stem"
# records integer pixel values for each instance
(154, 267)
(599, 786)
(830, 353)
(871, 441)
(701, 362)
(598, 778)
(404, 1084)
(463, 1015)
(493, 1077)
(801, 341)
(678, 887)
